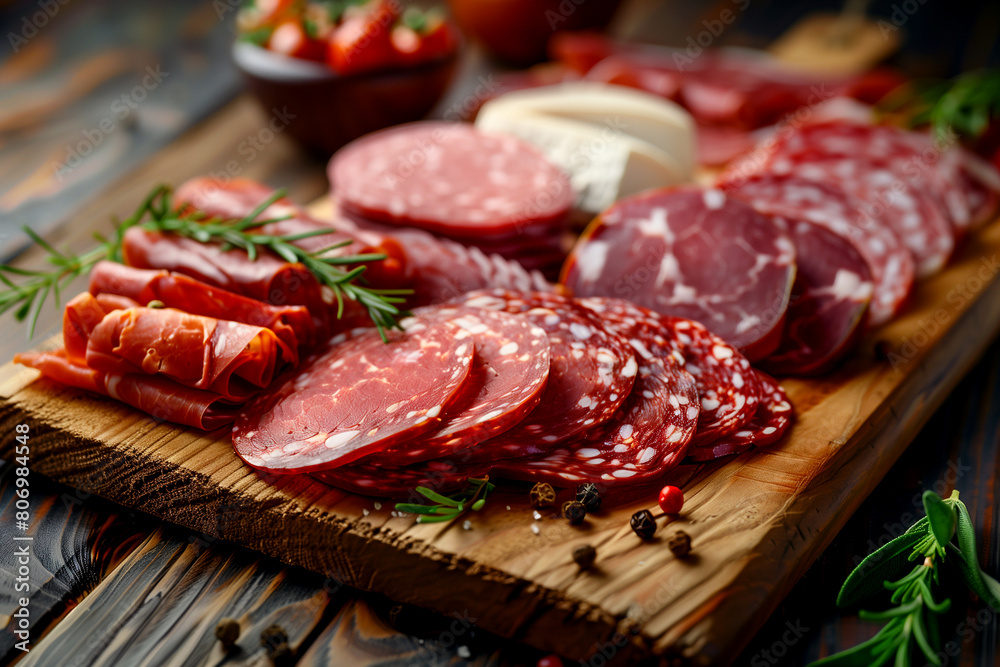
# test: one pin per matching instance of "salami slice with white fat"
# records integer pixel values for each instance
(652, 429)
(691, 253)
(358, 396)
(891, 265)
(829, 301)
(451, 179)
(768, 426)
(888, 200)
(591, 373)
(509, 372)
(925, 162)
(724, 381)
(648, 437)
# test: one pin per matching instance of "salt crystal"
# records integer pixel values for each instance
(464, 653)
(378, 506)
(536, 515)
(535, 529)
(467, 525)
(365, 512)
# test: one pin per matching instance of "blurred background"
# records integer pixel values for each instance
(91, 89)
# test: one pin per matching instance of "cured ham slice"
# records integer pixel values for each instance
(292, 324)
(157, 396)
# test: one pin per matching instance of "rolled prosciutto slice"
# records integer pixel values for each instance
(200, 366)
(292, 324)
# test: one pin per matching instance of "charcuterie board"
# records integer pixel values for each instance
(757, 521)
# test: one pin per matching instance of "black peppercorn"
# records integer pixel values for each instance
(272, 637)
(227, 632)
(542, 495)
(589, 496)
(584, 555)
(643, 524)
(574, 511)
(680, 544)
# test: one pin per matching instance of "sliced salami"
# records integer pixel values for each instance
(652, 430)
(649, 436)
(924, 162)
(439, 270)
(664, 249)
(451, 179)
(768, 426)
(358, 396)
(891, 265)
(829, 301)
(591, 373)
(724, 380)
(727, 384)
(509, 371)
(911, 214)
(400, 483)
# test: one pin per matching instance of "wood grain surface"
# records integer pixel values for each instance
(757, 521)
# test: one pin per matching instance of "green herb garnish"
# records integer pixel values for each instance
(963, 105)
(447, 508)
(911, 626)
(157, 214)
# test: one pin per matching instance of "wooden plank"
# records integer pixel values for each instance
(757, 521)
(162, 604)
(77, 540)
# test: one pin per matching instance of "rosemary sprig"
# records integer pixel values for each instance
(156, 213)
(449, 508)
(912, 625)
(963, 105)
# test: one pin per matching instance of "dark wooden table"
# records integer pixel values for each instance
(115, 587)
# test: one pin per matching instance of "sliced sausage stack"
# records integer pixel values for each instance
(522, 385)
(491, 192)
(801, 246)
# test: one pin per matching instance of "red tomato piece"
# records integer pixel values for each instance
(290, 39)
(363, 42)
(414, 48)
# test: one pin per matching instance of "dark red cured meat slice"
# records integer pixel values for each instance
(691, 253)
(925, 163)
(292, 324)
(509, 371)
(891, 265)
(768, 426)
(591, 373)
(359, 396)
(439, 270)
(268, 278)
(725, 382)
(887, 199)
(240, 197)
(450, 178)
(829, 301)
(980, 180)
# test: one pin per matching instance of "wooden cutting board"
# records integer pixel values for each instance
(757, 521)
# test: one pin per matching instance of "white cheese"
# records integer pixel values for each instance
(644, 116)
(604, 164)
